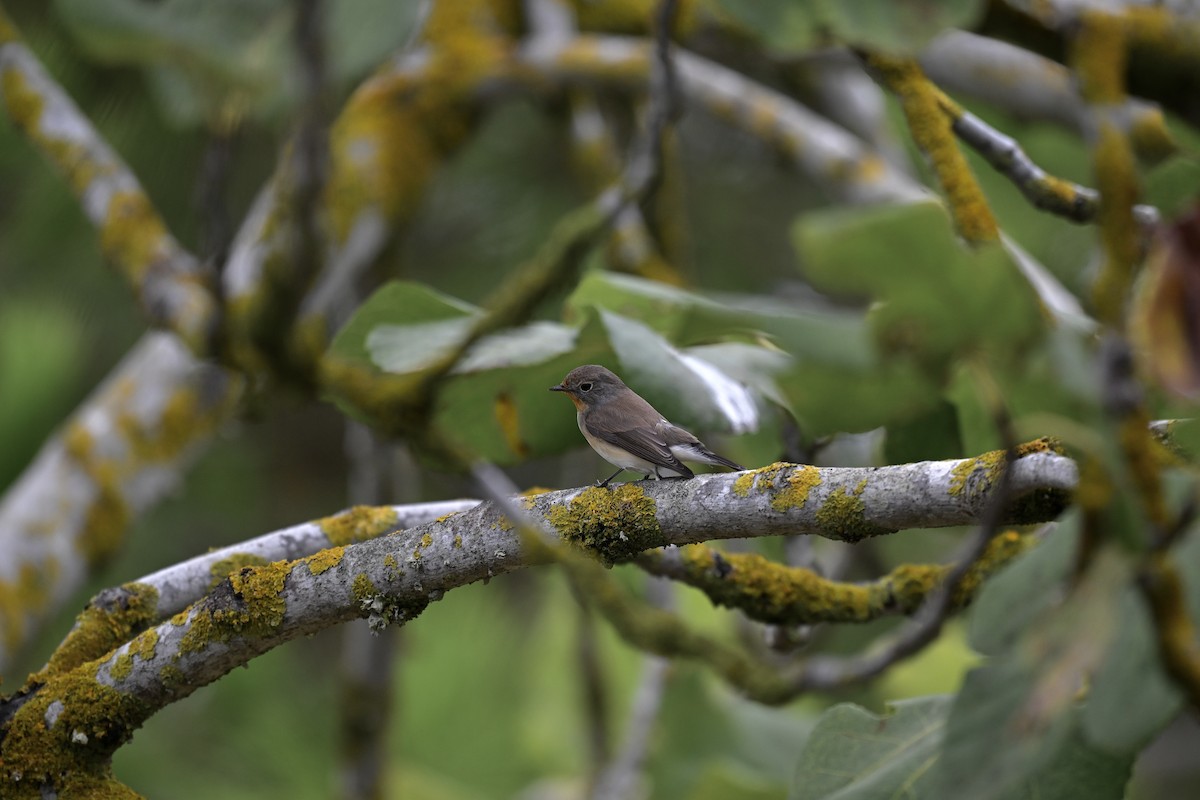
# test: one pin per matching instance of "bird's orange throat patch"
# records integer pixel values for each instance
(579, 404)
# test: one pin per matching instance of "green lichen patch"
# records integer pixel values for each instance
(114, 618)
(615, 524)
(771, 592)
(19, 598)
(358, 524)
(458, 541)
(24, 105)
(142, 647)
(73, 754)
(843, 516)
(132, 235)
(247, 604)
(381, 610)
(220, 570)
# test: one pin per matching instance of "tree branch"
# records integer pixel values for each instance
(121, 451)
(171, 286)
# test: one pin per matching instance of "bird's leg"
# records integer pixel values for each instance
(604, 483)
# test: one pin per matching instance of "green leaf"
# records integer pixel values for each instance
(686, 388)
(854, 754)
(1025, 589)
(654, 304)
(831, 398)
(898, 26)
(1131, 699)
(784, 26)
(939, 298)
(929, 436)
(401, 307)
(207, 51)
(1014, 716)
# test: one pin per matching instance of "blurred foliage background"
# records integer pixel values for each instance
(488, 701)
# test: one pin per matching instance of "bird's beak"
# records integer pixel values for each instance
(559, 388)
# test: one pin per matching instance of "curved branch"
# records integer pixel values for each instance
(172, 287)
(119, 453)
(392, 578)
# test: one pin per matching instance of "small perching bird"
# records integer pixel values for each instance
(627, 431)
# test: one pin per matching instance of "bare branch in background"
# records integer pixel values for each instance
(173, 288)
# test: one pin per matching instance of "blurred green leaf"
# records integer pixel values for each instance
(207, 58)
(939, 299)
(1016, 596)
(854, 754)
(785, 27)
(201, 54)
(898, 26)
(1131, 699)
(828, 398)
(929, 436)
(686, 388)
(1013, 717)
(990, 754)
(657, 305)
(427, 314)
(708, 733)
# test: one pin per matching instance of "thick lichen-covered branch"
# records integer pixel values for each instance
(1031, 87)
(392, 578)
(172, 287)
(116, 614)
(778, 594)
(933, 135)
(1045, 191)
(120, 452)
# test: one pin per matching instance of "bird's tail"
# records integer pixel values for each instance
(698, 452)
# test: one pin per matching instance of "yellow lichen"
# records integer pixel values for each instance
(932, 132)
(220, 570)
(1099, 57)
(143, 647)
(255, 608)
(779, 594)
(505, 410)
(132, 234)
(792, 494)
(358, 524)
(24, 105)
(1119, 186)
(458, 541)
(979, 473)
(325, 560)
(616, 524)
(98, 630)
(364, 590)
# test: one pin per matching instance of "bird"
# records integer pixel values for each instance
(628, 432)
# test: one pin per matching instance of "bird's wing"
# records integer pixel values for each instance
(645, 443)
(684, 444)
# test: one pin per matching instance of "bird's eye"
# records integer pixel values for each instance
(585, 387)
